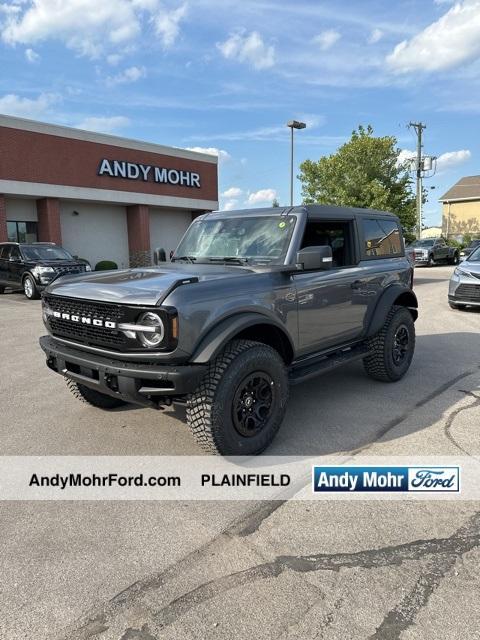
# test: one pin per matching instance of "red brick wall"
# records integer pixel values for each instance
(138, 225)
(48, 159)
(48, 213)
(3, 219)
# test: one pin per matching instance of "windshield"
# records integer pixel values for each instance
(475, 255)
(45, 252)
(249, 239)
(422, 243)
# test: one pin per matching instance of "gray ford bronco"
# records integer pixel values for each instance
(251, 302)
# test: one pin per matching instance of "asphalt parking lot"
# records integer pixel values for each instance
(147, 571)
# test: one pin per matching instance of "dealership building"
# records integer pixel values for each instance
(101, 197)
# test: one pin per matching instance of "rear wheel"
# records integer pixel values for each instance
(455, 259)
(393, 347)
(92, 397)
(239, 406)
(30, 288)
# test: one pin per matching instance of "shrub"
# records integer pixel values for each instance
(106, 265)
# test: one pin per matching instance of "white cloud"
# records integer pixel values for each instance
(114, 59)
(452, 159)
(89, 27)
(445, 161)
(451, 40)
(167, 24)
(31, 55)
(230, 205)
(406, 156)
(233, 192)
(13, 105)
(212, 151)
(375, 36)
(132, 74)
(327, 39)
(249, 48)
(262, 196)
(103, 124)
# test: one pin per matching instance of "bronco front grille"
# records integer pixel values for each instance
(468, 292)
(85, 333)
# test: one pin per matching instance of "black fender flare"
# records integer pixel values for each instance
(389, 297)
(217, 337)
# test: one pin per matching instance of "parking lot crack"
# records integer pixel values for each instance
(453, 416)
(447, 549)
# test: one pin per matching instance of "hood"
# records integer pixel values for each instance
(471, 267)
(143, 286)
(56, 263)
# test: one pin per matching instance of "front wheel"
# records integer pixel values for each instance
(30, 288)
(239, 406)
(431, 261)
(392, 348)
(92, 397)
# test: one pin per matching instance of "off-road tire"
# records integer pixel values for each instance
(457, 307)
(92, 397)
(455, 259)
(380, 364)
(211, 407)
(35, 295)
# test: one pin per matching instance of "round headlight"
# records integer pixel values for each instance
(154, 337)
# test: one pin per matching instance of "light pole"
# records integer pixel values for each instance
(293, 124)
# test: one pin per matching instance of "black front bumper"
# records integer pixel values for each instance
(137, 383)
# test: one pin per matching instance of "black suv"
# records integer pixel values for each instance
(34, 266)
(251, 301)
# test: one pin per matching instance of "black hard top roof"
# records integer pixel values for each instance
(312, 210)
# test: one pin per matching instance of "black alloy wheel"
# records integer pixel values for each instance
(252, 404)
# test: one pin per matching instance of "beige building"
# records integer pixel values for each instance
(461, 208)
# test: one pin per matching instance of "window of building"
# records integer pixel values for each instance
(337, 235)
(22, 231)
(382, 238)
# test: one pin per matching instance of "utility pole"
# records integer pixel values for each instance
(419, 127)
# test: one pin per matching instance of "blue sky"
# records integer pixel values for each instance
(226, 75)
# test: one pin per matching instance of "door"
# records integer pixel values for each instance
(15, 267)
(440, 250)
(330, 311)
(4, 254)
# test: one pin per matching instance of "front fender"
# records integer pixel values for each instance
(391, 295)
(218, 336)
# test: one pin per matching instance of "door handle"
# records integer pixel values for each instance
(356, 284)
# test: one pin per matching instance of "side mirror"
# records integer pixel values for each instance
(315, 258)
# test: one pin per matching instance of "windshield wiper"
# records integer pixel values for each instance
(232, 259)
(186, 258)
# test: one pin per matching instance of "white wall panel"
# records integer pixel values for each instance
(167, 228)
(98, 232)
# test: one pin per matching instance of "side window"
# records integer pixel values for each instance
(337, 235)
(382, 238)
(5, 252)
(15, 253)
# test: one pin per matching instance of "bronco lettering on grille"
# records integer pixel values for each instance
(96, 322)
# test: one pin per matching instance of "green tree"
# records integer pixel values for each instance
(364, 172)
(275, 203)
